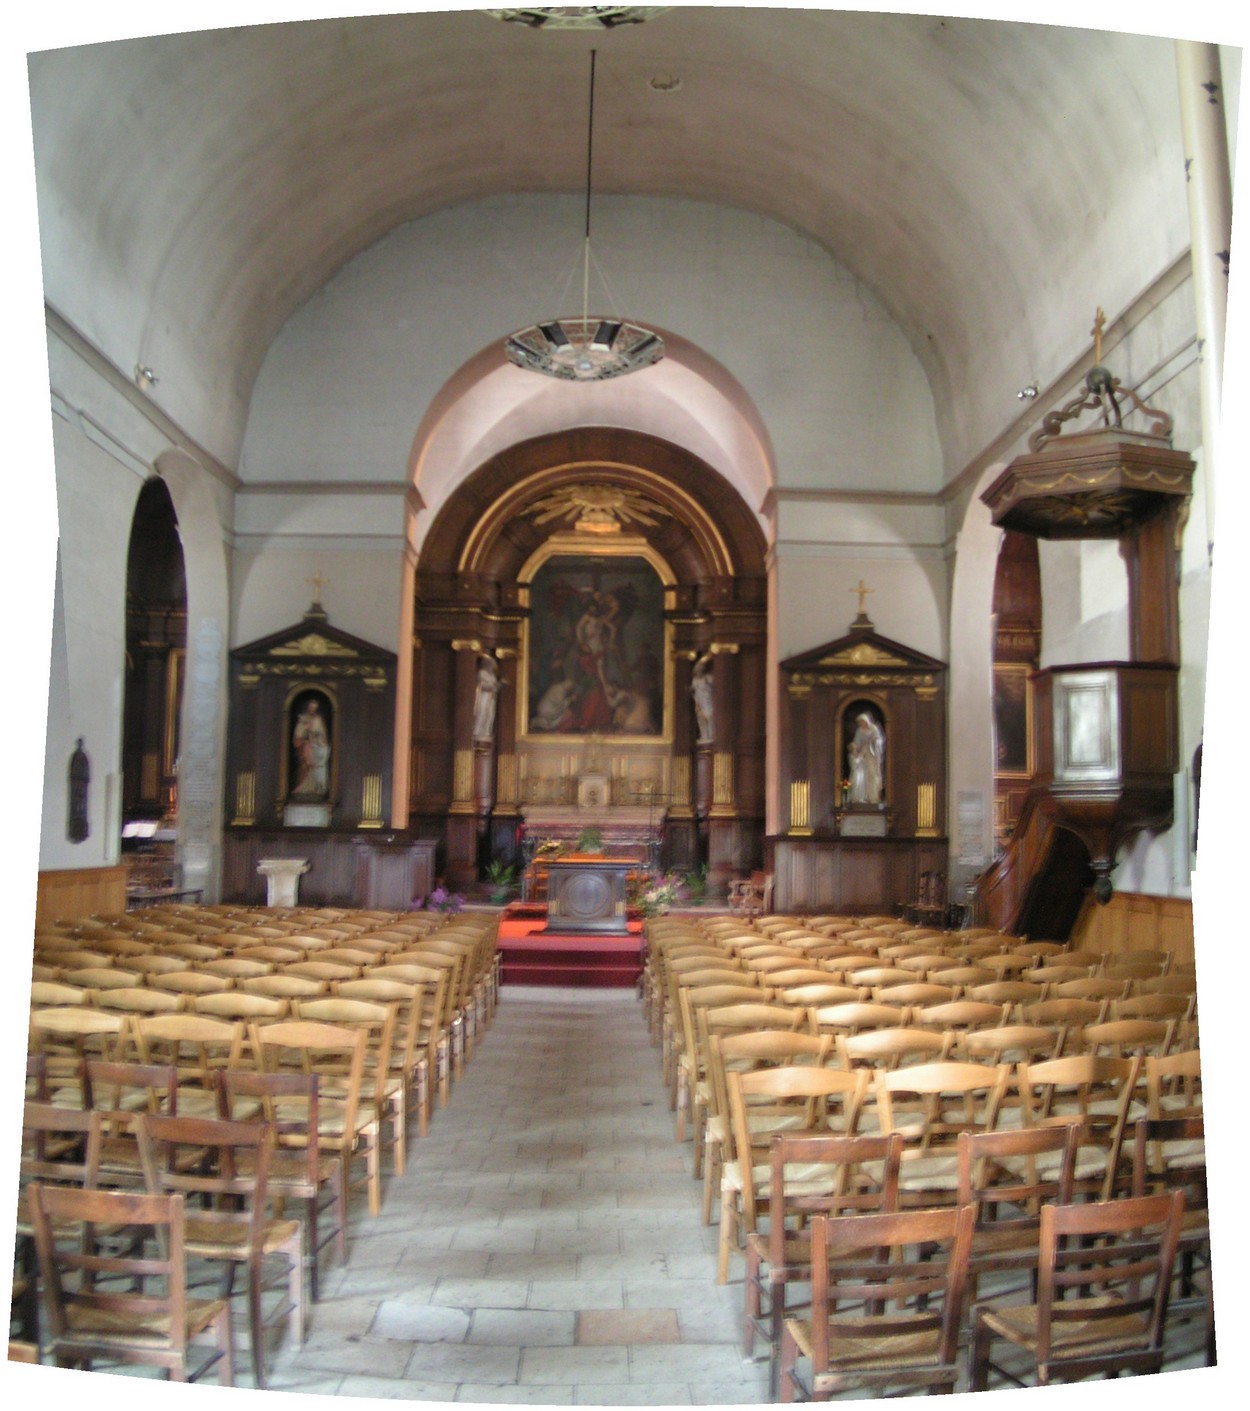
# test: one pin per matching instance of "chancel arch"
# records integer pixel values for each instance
(613, 565)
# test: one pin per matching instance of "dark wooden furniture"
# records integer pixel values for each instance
(1106, 734)
(588, 893)
(837, 854)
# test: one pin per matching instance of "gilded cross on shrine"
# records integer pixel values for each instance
(318, 583)
(863, 592)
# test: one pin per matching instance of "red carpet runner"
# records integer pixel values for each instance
(532, 957)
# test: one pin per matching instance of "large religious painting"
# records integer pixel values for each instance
(595, 663)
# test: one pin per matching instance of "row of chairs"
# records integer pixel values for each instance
(1044, 1095)
(330, 1065)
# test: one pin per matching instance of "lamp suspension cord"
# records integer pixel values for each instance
(590, 147)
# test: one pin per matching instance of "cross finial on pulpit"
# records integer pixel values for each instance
(1100, 322)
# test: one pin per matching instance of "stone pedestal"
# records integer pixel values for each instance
(282, 875)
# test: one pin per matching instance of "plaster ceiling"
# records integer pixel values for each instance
(222, 177)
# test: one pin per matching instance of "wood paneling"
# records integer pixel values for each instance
(852, 875)
(1134, 921)
(82, 891)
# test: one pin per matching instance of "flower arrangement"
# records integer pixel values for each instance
(659, 892)
(440, 899)
(590, 840)
(549, 848)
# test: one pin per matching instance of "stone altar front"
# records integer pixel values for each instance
(588, 893)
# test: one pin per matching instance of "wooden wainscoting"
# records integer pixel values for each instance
(67, 894)
(1133, 921)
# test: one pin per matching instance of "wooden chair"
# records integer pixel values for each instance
(63, 1036)
(89, 1319)
(139, 1000)
(189, 982)
(887, 1300)
(1155, 1006)
(864, 1172)
(1169, 1154)
(1120, 1038)
(997, 1173)
(817, 994)
(1104, 1271)
(336, 1054)
(288, 1103)
(223, 1167)
(854, 1018)
(409, 1056)
(724, 1022)
(734, 1043)
(1093, 1092)
(913, 995)
(958, 1016)
(751, 896)
(932, 1105)
(877, 1049)
(198, 1046)
(761, 1103)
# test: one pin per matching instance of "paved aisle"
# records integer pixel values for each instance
(545, 1245)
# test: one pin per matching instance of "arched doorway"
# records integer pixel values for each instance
(156, 641)
(615, 569)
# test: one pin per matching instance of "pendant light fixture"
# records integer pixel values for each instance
(586, 347)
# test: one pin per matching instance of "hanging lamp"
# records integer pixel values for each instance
(586, 347)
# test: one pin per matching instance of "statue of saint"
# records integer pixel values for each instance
(485, 699)
(701, 690)
(867, 760)
(311, 740)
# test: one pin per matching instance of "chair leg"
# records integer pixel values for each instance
(728, 1234)
(979, 1356)
(789, 1356)
(255, 1319)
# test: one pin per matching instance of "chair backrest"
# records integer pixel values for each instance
(913, 1264)
(82, 1278)
(290, 1105)
(948, 1098)
(1091, 1090)
(999, 1173)
(789, 1097)
(864, 1171)
(198, 1045)
(853, 1018)
(1174, 1084)
(1106, 1262)
(330, 1051)
(61, 1145)
(890, 1048)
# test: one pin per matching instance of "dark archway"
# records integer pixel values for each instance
(156, 639)
(593, 500)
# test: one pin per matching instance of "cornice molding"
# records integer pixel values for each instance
(73, 337)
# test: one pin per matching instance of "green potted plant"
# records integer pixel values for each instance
(590, 840)
(501, 882)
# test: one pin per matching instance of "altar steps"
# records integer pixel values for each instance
(536, 958)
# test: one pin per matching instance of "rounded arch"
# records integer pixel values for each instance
(601, 498)
(701, 526)
(688, 400)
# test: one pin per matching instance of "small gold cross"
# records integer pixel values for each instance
(1100, 322)
(863, 593)
(318, 583)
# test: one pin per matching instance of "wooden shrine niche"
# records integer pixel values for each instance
(864, 747)
(312, 714)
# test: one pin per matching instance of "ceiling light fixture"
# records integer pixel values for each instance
(592, 347)
(579, 16)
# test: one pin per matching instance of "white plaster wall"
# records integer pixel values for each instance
(346, 383)
(96, 494)
(272, 588)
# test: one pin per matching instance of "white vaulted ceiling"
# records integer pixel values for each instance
(197, 188)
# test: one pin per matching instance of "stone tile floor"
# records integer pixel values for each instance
(545, 1245)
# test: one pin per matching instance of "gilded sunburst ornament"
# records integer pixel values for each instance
(597, 508)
